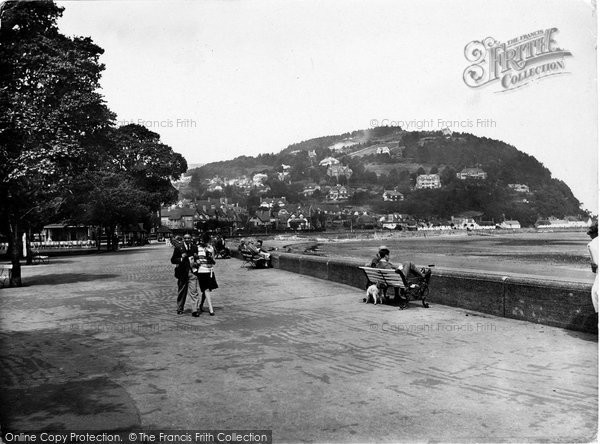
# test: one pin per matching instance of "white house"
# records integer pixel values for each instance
(510, 224)
(338, 192)
(430, 181)
(328, 161)
(392, 196)
(472, 173)
(382, 150)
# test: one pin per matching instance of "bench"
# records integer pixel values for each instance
(5, 274)
(251, 259)
(387, 277)
(38, 258)
(392, 278)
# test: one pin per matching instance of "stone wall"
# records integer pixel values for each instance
(560, 304)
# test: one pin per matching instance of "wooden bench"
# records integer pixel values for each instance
(251, 259)
(396, 279)
(5, 274)
(38, 258)
(387, 277)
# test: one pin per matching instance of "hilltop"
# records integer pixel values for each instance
(428, 174)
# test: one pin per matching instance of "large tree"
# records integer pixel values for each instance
(129, 183)
(51, 115)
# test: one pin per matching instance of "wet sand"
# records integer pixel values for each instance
(550, 255)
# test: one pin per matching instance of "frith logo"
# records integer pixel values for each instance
(514, 63)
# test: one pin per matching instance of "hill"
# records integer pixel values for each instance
(511, 184)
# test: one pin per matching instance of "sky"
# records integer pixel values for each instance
(220, 79)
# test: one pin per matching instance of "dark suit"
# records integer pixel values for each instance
(183, 270)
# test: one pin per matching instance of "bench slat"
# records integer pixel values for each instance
(384, 276)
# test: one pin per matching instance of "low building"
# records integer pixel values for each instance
(310, 190)
(519, 187)
(382, 150)
(273, 202)
(428, 181)
(392, 196)
(510, 224)
(179, 218)
(472, 173)
(391, 221)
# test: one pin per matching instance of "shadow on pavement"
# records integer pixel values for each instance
(56, 380)
(95, 404)
(64, 278)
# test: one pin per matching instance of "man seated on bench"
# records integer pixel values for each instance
(258, 250)
(409, 270)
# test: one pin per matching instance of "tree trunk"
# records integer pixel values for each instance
(15, 255)
(99, 238)
(28, 248)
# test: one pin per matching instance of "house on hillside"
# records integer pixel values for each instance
(338, 192)
(382, 150)
(328, 161)
(392, 196)
(273, 202)
(309, 190)
(339, 170)
(298, 221)
(447, 132)
(259, 179)
(519, 187)
(284, 176)
(472, 173)
(428, 181)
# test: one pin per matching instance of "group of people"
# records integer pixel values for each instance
(256, 249)
(408, 269)
(194, 270)
(194, 267)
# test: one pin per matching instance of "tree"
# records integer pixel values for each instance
(52, 118)
(130, 182)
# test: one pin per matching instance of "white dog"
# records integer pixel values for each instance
(374, 292)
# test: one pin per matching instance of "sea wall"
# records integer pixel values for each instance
(559, 304)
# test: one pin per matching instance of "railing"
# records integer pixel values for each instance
(56, 244)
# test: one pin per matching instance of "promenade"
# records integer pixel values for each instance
(94, 342)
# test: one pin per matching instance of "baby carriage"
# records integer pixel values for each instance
(417, 287)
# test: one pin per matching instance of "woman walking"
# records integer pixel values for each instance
(205, 272)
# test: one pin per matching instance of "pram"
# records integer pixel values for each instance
(417, 287)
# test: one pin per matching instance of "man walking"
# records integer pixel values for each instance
(187, 282)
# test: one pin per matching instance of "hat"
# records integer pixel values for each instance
(383, 247)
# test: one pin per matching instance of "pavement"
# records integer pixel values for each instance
(94, 342)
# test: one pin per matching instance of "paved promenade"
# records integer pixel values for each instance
(94, 342)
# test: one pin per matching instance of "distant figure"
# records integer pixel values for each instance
(593, 249)
(221, 248)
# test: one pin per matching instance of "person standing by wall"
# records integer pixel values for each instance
(593, 249)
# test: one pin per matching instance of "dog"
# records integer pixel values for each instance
(374, 292)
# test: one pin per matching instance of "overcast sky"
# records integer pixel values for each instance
(218, 79)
